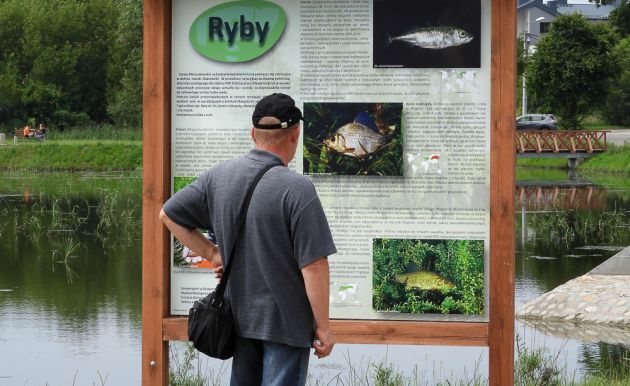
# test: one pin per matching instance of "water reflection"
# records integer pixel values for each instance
(564, 229)
(70, 268)
(89, 320)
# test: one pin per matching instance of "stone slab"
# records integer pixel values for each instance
(616, 265)
(600, 299)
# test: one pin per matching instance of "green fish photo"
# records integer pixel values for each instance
(353, 139)
(428, 276)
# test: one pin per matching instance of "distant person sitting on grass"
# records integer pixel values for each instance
(41, 134)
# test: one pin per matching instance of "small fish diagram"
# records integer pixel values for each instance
(427, 163)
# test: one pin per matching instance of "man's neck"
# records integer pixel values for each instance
(280, 152)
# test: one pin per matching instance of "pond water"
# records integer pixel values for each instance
(70, 280)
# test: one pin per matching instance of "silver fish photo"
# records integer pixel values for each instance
(353, 139)
(427, 34)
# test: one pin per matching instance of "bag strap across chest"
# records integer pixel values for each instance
(240, 223)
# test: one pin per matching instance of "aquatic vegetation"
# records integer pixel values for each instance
(66, 255)
(573, 227)
(56, 226)
(118, 219)
(536, 366)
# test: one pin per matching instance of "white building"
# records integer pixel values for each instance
(535, 16)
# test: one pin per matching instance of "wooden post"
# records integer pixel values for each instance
(502, 186)
(155, 188)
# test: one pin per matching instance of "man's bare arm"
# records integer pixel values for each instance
(193, 239)
(317, 282)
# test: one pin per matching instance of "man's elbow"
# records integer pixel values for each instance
(318, 266)
(163, 217)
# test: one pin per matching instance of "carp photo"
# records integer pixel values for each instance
(428, 276)
(427, 34)
(353, 139)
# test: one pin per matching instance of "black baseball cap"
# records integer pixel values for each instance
(280, 106)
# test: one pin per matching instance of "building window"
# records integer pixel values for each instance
(544, 27)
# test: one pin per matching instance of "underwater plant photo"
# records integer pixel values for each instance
(353, 139)
(428, 276)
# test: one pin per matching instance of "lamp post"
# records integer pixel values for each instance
(525, 52)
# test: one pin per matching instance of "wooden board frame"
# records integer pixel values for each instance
(158, 327)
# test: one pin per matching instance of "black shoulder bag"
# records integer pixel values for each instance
(210, 320)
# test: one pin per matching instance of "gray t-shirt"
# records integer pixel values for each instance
(285, 230)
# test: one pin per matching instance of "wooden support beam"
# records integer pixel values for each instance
(379, 332)
(155, 188)
(502, 185)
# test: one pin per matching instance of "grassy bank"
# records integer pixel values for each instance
(72, 155)
(615, 160)
(533, 367)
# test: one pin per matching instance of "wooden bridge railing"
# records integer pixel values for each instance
(560, 141)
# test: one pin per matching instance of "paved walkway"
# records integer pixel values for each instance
(602, 296)
(618, 137)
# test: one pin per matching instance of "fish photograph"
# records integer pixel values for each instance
(427, 34)
(353, 139)
(427, 276)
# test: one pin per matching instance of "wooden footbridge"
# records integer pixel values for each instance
(562, 143)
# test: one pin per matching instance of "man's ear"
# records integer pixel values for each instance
(295, 135)
(251, 131)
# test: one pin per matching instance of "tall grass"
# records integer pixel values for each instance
(534, 366)
(615, 160)
(72, 156)
(543, 163)
(186, 369)
(96, 132)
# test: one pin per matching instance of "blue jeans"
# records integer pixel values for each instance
(265, 363)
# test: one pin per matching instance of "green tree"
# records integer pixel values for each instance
(69, 62)
(616, 110)
(125, 67)
(568, 74)
(53, 51)
(620, 18)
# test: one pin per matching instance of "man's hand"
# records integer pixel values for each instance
(194, 240)
(324, 342)
(317, 283)
(218, 273)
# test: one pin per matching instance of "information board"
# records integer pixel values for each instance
(396, 138)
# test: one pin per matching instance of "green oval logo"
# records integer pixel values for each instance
(238, 31)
